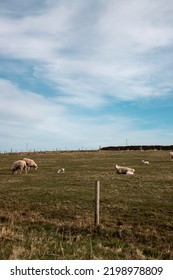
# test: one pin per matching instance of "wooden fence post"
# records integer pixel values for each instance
(97, 202)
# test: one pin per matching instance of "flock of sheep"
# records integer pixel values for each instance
(26, 164)
(127, 170)
(23, 164)
(130, 171)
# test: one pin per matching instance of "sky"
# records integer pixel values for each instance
(85, 74)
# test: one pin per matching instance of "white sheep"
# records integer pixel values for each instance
(171, 155)
(19, 165)
(145, 161)
(124, 170)
(30, 163)
(61, 170)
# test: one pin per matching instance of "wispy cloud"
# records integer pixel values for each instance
(87, 55)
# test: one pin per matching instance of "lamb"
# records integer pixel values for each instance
(145, 161)
(30, 163)
(171, 155)
(61, 170)
(124, 170)
(19, 164)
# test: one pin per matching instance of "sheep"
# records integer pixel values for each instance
(171, 155)
(130, 171)
(19, 164)
(61, 170)
(30, 163)
(124, 170)
(145, 161)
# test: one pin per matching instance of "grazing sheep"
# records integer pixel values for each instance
(145, 162)
(171, 155)
(19, 164)
(30, 163)
(124, 170)
(61, 170)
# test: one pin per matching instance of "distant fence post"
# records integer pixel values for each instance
(97, 202)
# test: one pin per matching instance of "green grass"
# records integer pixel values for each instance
(45, 215)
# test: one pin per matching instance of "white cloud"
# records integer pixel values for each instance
(89, 54)
(98, 52)
(27, 109)
(29, 118)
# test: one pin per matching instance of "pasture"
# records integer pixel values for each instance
(46, 215)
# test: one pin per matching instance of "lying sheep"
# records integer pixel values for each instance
(124, 170)
(145, 161)
(19, 165)
(30, 163)
(171, 155)
(61, 170)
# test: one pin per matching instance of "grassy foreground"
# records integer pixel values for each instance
(46, 215)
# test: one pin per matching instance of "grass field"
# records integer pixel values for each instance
(45, 215)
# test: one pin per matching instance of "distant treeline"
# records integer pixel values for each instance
(138, 148)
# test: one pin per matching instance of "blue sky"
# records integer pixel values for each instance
(84, 74)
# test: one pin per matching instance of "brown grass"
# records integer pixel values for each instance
(45, 215)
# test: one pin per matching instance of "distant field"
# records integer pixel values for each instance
(45, 215)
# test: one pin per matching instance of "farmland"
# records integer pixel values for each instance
(46, 215)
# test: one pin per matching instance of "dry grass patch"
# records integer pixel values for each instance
(45, 215)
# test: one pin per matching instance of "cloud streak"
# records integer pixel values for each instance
(64, 64)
